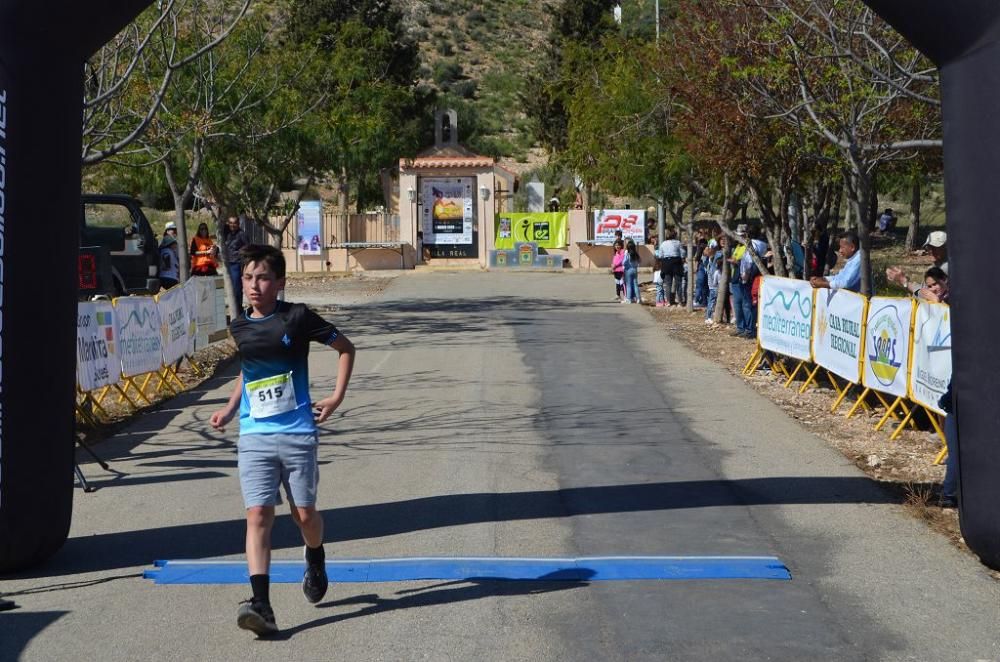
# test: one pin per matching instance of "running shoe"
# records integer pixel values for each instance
(314, 582)
(256, 616)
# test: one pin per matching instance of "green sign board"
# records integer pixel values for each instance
(547, 230)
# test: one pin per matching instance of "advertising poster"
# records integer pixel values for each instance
(548, 230)
(448, 210)
(785, 317)
(632, 223)
(931, 371)
(310, 219)
(97, 361)
(887, 345)
(837, 339)
(173, 324)
(139, 339)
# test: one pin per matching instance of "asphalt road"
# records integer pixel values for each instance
(512, 415)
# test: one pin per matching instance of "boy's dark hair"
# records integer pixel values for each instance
(269, 255)
(937, 273)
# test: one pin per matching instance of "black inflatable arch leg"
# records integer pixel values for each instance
(42, 49)
(963, 38)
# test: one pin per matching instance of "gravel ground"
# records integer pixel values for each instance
(907, 464)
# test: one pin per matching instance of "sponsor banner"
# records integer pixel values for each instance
(190, 290)
(448, 210)
(97, 361)
(209, 309)
(887, 345)
(632, 223)
(173, 324)
(785, 317)
(546, 230)
(838, 341)
(139, 340)
(310, 220)
(930, 373)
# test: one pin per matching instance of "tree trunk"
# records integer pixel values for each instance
(692, 274)
(861, 194)
(873, 212)
(914, 229)
(342, 188)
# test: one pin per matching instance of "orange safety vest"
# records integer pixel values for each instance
(202, 245)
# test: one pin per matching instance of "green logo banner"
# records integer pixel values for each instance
(547, 230)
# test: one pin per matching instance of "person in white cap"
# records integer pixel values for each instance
(169, 259)
(937, 245)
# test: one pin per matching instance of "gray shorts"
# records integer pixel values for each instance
(269, 460)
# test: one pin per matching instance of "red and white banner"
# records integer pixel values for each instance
(632, 223)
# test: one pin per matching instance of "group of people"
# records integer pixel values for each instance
(749, 259)
(205, 255)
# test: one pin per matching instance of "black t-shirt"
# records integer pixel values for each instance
(278, 345)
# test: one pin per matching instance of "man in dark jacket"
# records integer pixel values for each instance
(233, 240)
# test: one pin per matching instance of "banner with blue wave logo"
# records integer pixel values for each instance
(785, 309)
(139, 340)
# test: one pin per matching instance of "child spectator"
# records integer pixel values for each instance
(714, 269)
(618, 270)
(631, 265)
(661, 299)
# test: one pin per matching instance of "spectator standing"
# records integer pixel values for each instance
(234, 239)
(936, 290)
(736, 289)
(671, 255)
(849, 277)
(170, 272)
(661, 299)
(748, 272)
(631, 266)
(714, 269)
(618, 270)
(203, 253)
(701, 277)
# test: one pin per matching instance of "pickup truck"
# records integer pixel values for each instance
(118, 250)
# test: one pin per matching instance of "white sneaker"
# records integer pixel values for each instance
(709, 322)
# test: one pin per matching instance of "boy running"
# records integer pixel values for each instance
(278, 437)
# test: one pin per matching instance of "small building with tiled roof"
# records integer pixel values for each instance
(449, 197)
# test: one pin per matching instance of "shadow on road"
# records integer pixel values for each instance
(125, 549)
(475, 588)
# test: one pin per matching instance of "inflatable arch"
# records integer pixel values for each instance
(962, 38)
(43, 44)
(42, 48)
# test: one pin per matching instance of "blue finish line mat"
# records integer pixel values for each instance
(595, 568)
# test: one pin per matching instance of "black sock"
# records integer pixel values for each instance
(315, 555)
(261, 585)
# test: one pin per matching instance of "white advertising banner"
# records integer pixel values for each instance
(173, 324)
(887, 345)
(632, 223)
(931, 369)
(139, 339)
(210, 309)
(190, 290)
(837, 338)
(310, 220)
(97, 361)
(785, 317)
